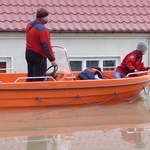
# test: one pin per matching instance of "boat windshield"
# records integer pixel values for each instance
(62, 59)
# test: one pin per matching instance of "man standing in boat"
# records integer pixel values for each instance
(38, 46)
(133, 61)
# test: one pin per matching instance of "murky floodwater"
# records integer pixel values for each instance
(118, 127)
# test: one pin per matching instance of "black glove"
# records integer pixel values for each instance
(132, 70)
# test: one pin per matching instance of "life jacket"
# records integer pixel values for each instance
(89, 74)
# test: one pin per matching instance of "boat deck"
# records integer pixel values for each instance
(21, 77)
(61, 76)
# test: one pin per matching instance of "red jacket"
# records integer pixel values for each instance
(38, 39)
(132, 61)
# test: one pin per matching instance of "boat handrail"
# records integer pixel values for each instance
(43, 77)
(5, 69)
(137, 72)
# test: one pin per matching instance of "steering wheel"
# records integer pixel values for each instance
(53, 73)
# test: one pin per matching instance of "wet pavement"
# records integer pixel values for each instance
(116, 127)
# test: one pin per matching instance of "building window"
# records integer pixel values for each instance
(109, 65)
(105, 63)
(90, 63)
(6, 64)
(76, 65)
(2, 66)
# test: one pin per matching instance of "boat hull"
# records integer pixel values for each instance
(63, 93)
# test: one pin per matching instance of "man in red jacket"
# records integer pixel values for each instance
(132, 61)
(38, 46)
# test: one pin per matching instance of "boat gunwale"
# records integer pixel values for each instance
(72, 86)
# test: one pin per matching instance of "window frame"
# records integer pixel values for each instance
(99, 59)
(109, 59)
(9, 61)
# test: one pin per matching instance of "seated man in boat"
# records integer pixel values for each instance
(133, 61)
(91, 73)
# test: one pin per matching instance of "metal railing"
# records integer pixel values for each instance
(137, 72)
(43, 77)
(6, 69)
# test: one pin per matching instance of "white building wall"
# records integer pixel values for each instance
(12, 45)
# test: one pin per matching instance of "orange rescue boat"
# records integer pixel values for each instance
(68, 89)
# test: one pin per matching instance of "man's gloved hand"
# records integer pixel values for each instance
(54, 63)
(148, 68)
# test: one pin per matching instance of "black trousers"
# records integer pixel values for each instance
(36, 65)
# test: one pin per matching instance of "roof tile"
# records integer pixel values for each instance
(78, 16)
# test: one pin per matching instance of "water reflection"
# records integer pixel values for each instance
(133, 136)
(119, 126)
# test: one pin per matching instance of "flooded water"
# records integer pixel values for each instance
(117, 127)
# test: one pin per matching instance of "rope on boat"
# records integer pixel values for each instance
(115, 94)
(56, 103)
(132, 98)
(99, 103)
(78, 97)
